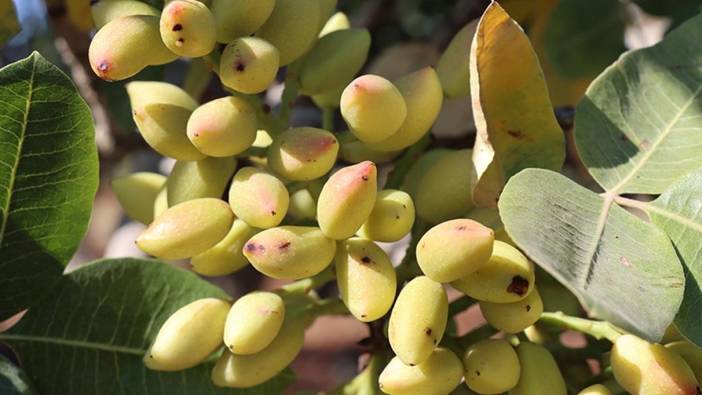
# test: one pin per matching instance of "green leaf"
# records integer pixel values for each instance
(13, 380)
(8, 22)
(90, 335)
(582, 38)
(514, 119)
(678, 212)
(622, 269)
(637, 127)
(48, 178)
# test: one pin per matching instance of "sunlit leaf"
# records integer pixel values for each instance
(516, 126)
(622, 269)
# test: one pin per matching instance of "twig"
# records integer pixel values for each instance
(596, 329)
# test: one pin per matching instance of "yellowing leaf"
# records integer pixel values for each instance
(516, 126)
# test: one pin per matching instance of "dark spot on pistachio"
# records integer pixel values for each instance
(364, 178)
(251, 247)
(104, 66)
(528, 308)
(284, 246)
(428, 331)
(397, 217)
(180, 40)
(240, 66)
(273, 212)
(518, 286)
(366, 259)
(177, 27)
(477, 373)
(462, 227)
(517, 134)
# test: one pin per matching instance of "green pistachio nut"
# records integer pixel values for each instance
(161, 111)
(347, 200)
(418, 320)
(491, 366)
(596, 389)
(366, 278)
(416, 172)
(243, 371)
(127, 45)
(223, 127)
(392, 217)
(514, 317)
(539, 372)
(644, 368)
(253, 322)
(334, 60)
(258, 197)
(161, 201)
(373, 108)
(188, 28)
(137, 193)
(691, 353)
(444, 191)
(453, 66)
(199, 179)
(187, 229)
(292, 28)
(303, 154)
(507, 278)
(188, 336)
(290, 252)
(454, 249)
(354, 150)
(249, 65)
(227, 256)
(423, 97)
(303, 204)
(439, 374)
(105, 11)
(239, 18)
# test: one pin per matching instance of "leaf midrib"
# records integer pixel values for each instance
(74, 343)
(20, 143)
(612, 195)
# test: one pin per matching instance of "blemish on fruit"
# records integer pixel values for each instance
(177, 27)
(518, 286)
(528, 308)
(284, 246)
(239, 66)
(517, 134)
(366, 259)
(428, 331)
